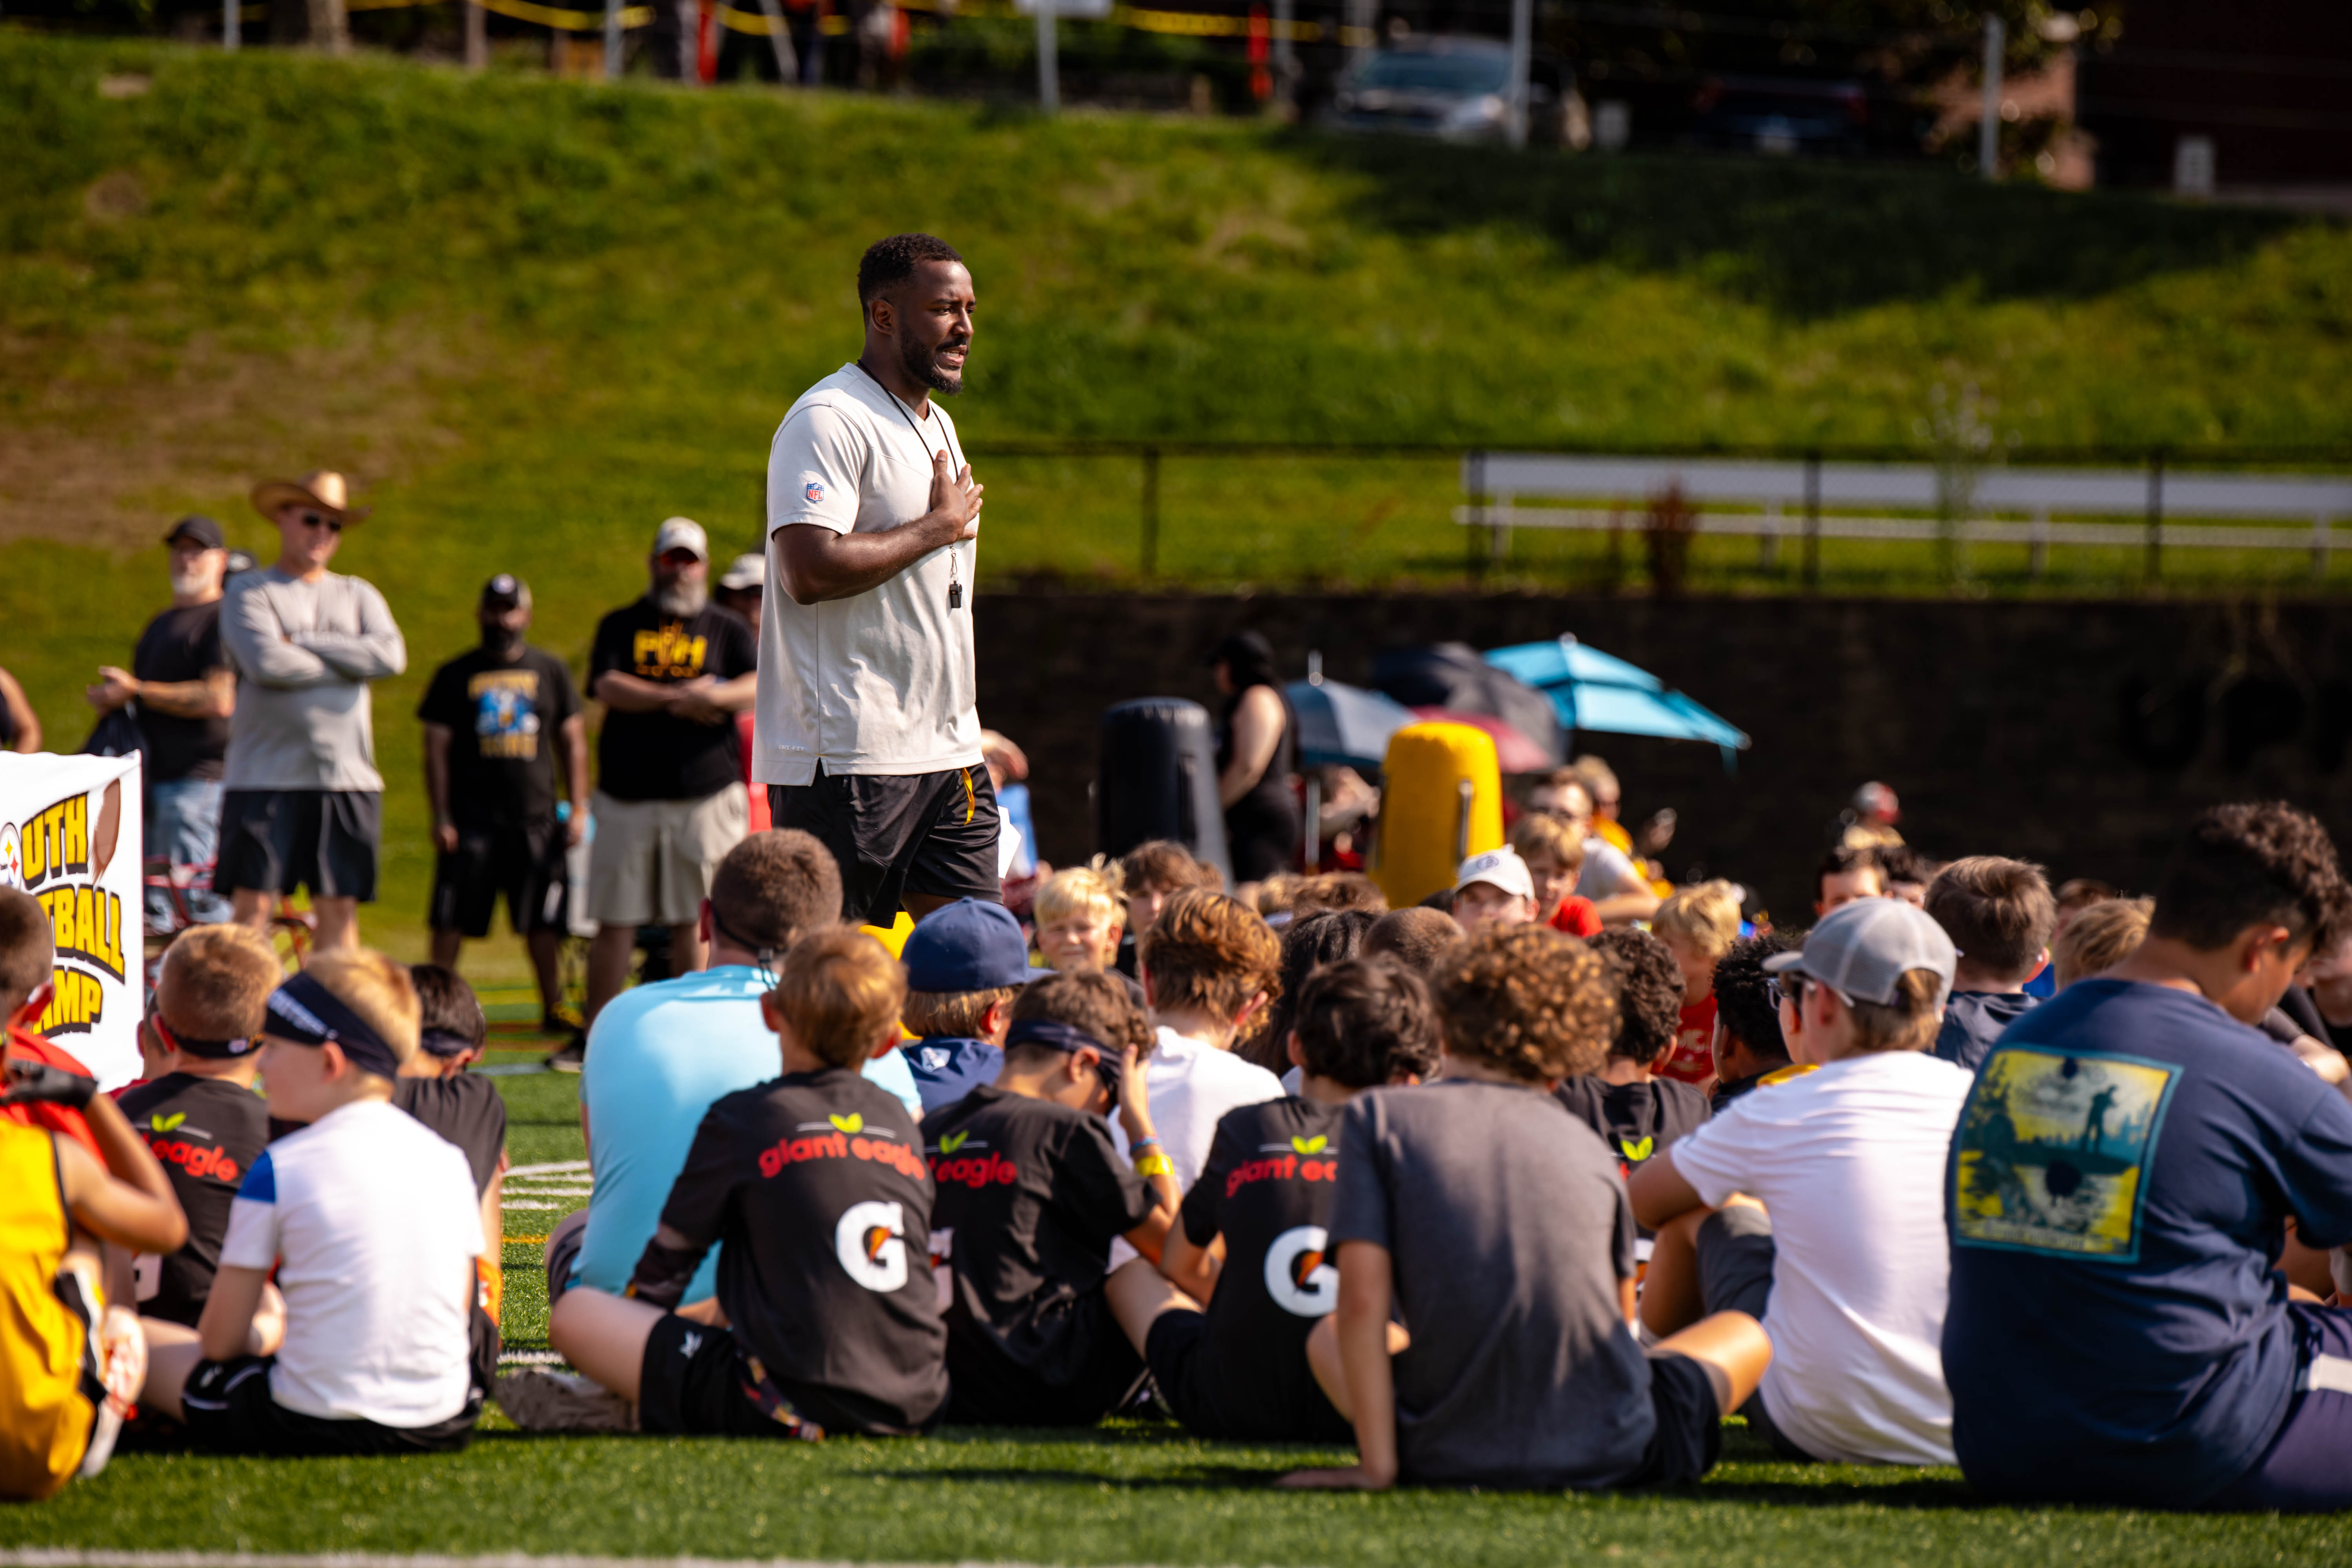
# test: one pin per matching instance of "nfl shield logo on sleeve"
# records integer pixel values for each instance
(812, 488)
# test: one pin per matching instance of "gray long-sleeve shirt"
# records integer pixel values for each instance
(304, 654)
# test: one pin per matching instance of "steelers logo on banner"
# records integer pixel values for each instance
(1295, 1274)
(870, 1241)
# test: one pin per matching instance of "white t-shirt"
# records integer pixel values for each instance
(880, 682)
(1850, 1162)
(1192, 1085)
(371, 1217)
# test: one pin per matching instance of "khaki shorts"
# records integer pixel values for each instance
(652, 859)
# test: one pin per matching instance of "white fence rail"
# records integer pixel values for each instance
(1498, 483)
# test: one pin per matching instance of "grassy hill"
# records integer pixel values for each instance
(534, 318)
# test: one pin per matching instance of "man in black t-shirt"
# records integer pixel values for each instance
(201, 1116)
(1032, 1192)
(672, 670)
(813, 1185)
(181, 690)
(1239, 1372)
(495, 721)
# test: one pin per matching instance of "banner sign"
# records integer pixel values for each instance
(71, 835)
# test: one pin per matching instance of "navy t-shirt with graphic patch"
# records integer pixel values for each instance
(2117, 1188)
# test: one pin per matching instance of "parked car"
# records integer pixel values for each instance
(1457, 90)
(1783, 115)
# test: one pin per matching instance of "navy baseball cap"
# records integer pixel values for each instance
(967, 945)
(198, 529)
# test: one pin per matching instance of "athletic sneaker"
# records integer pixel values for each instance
(537, 1400)
(571, 1057)
(122, 1368)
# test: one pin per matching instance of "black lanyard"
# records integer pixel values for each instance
(955, 578)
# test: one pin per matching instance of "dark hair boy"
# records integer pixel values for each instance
(1238, 1372)
(2119, 1180)
(1749, 1050)
(2000, 914)
(1425, 1218)
(1637, 1113)
(1032, 1192)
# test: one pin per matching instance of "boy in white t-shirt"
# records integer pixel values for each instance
(369, 1218)
(1817, 1204)
(1209, 965)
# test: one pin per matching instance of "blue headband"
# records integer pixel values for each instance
(304, 1012)
(1054, 1035)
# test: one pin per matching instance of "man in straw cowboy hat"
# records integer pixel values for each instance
(304, 801)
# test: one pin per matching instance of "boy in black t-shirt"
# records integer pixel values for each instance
(816, 1183)
(434, 1088)
(1238, 1372)
(1637, 1113)
(201, 1116)
(1032, 1192)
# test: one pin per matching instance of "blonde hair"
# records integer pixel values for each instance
(1703, 916)
(840, 991)
(378, 990)
(215, 983)
(1906, 1023)
(2099, 938)
(1538, 832)
(1082, 890)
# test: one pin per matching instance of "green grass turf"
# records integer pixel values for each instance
(1129, 1493)
(533, 318)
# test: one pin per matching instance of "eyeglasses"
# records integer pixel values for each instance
(320, 519)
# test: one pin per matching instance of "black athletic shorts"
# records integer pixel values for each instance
(1183, 1376)
(988, 1388)
(895, 834)
(1689, 1435)
(697, 1381)
(277, 840)
(524, 862)
(228, 1409)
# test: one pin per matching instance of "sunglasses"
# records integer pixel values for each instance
(1794, 992)
(320, 519)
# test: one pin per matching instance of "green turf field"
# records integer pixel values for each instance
(1131, 1492)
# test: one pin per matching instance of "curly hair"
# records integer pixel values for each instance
(1208, 951)
(1527, 999)
(894, 260)
(1365, 1022)
(1310, 944)
(2253, 864)
(1084, 999)
(1648, 993)
(1743, 993)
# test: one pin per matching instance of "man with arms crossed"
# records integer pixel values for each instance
(867, 736)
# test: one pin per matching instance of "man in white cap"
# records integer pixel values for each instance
(1817, 1204)
(868, 737)
(672, 670)
(302, 803)
(1494, 889)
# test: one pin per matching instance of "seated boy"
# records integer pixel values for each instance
(1845, 1260)
(1081, 916)
(468, 1111)
(1494, 890)
(2131, 1151)
(1031, 1196)
(1999, 914)
(200, 1116)
(370, 1220)
(1211, 967)
(965, 963)
(1416, 938)
(1638, 1114)
(1521, 1368)
(1699, 925)
(814, 1181)
(1150, 875)
(1253, 1244)
(68, 1363)
(29, 959)
(1750, 1052)
(1554, 853)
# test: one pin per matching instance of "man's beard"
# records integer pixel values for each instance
(193, 580)
(680, 597)
(924, 365)
(503, 641)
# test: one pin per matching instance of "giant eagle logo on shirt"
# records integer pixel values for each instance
(1296, 1276)
(870, 1241)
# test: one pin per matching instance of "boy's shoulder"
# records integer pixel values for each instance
(833, 1092)
(988, 1107)
(358, 1140)
(1288, 1114)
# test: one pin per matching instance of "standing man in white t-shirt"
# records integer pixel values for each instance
(867, 735)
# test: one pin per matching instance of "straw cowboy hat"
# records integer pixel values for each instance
(323, 489)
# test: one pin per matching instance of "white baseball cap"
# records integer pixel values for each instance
(681, 533)
(746, 571)
(1497, 869)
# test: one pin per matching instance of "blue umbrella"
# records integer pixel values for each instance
(1597, 692)
(1344, 725)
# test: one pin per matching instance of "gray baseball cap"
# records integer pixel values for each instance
(1862, 949)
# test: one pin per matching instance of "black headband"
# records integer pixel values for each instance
(1057, 1036)
(304, 1012)
(217, 1050)
(446, 1043)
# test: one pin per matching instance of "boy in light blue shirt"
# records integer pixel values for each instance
(659, 1054)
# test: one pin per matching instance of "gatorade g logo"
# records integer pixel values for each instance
(1297, 1279)
(870, 1242)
